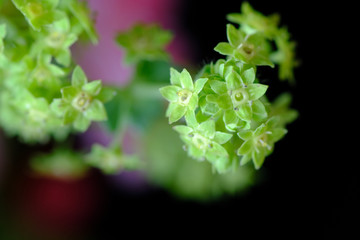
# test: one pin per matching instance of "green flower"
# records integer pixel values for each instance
(239, 96)
(110, 160)
(80, 103)
(285, 55)
(81, 20)
(204, 142)
(182, 94)
(259, 143)
(39, 13)
(252, 21)
(144, 42)
(249, 48)
(61, 163)
(56, 41)
(44, 78)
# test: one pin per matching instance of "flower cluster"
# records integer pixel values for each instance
(35, 62)
(229, 121)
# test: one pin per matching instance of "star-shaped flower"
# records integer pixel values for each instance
(144, 42)
(248, 48)
(39, 13)
(204, 142)
(81, 102)
(182, 94)
(239, 96)
(259, 143)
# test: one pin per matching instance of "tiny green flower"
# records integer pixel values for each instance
(56, 41)
(182, 94)
(253, 21)
(204, 142)
(110, 160)
(239, 94)
(39, 13)
(285, 55)
(144, 42)
(79, 104)
(81, 12)
(259, 143)
(248, 48)
(45, 78)
(62, 163)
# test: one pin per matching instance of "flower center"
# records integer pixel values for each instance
(200, 141)
(81, 102)
(55, 39)
(184, 97)
(239, 96)
(34, 9)
(248, 49)
(262, 141)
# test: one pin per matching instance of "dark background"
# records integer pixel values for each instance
(311, 189)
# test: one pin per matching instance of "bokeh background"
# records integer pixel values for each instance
(296, 194)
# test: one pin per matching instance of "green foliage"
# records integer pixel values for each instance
(171, 168)
(61, 163)
(111, 160)
(229, 121)
(144, 42)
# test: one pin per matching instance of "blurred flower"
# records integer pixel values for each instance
(119, 15)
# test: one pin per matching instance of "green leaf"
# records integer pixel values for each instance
(259, 111)
(256, 90)
(245, 134)
(70, 115)
(183, 130)
(221, 137)
(245, 159)
(96, 111)
(80, 10)
(244, 112)
(93, 88)
(249, 76)
(69, 93)
(186, 80)
(277, 134)
(246, 147)
(217, 150)
(81, 123)
(170, 93)
(258, 158)
(106, 94)
(190, 119)
(218, 87)
(193, 102)
(199, 84)
(59, 107)
(175, 77)
(177, 112)
(233, 35)
(224, 48)
(78, 78)
(233, 81)
(231, 120)
(207, 128)
(63, 57)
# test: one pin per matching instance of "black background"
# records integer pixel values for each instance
(312, 187)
